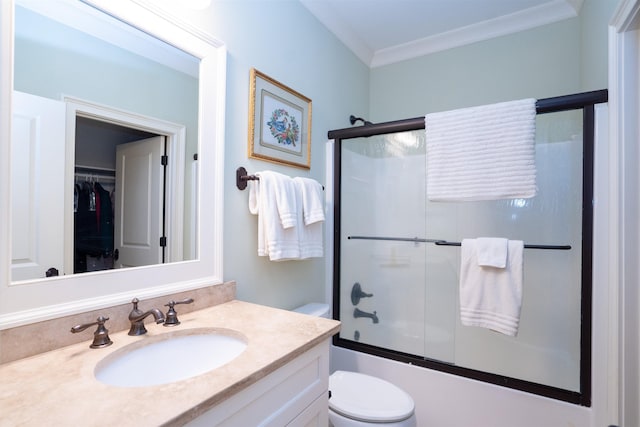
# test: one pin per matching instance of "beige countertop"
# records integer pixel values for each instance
(59, 387)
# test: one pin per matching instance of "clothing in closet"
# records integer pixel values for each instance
(93, 228)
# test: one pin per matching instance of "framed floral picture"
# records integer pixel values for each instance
(279, 122)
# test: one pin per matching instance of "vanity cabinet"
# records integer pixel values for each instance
(294, 395)
(280, 379)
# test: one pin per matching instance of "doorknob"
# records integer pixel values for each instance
(51, 272)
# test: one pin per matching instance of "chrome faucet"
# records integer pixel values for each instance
(359, 313)
(137, 316)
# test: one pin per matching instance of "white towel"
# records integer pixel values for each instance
(492, 251)
(274, 199)
(491, 297)
(312, 199)
(310, 233)
(482, 153)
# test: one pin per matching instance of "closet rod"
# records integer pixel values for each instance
(440, 242)
(93, 176)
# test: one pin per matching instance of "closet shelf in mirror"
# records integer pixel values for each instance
(89, 173)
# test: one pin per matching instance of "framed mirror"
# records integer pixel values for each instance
(112, 117)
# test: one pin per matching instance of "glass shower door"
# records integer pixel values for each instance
(399, 261)
(383, 257)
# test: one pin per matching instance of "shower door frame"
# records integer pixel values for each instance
(585, 101)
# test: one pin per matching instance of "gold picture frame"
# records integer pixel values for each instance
(279, 122)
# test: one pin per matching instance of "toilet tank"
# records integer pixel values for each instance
(314, 309)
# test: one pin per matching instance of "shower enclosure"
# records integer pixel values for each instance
(397, 255)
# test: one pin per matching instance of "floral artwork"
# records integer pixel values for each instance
(281, 125)
(279, 128)
(284, 127)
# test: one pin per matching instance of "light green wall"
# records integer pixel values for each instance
(594, 19)
(283, 40)
(289, 45)
(556, 59)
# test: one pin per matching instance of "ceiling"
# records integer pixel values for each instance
(382, 32)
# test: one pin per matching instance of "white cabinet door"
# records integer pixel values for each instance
(315, 415)
(139, 201)
(37, 186)
(294, 395)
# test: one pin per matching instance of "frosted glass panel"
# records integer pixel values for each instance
(414, 307)
(383, 194)
(547, 347)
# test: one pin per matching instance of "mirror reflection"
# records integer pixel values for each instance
(95, 199)
(104, 142)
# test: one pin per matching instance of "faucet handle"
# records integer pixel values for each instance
(357, 293)
(100, 336)
(172, 317)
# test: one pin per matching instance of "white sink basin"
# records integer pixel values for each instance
(170, 357)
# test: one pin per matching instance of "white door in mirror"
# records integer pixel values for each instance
(139, 199)
(37, 177)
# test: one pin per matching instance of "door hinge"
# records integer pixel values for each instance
(163, 241)
(164, 160)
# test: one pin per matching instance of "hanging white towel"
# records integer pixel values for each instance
(491, 297)
(310, 233)
(492, 251)
(482, 153)
(274, 199)
(312, 199)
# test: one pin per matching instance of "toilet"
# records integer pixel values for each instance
(359, 400)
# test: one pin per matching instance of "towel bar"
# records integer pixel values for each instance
(526, 246)
(242, 176)
(440, 242)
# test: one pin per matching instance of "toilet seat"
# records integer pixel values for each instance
(365, 398)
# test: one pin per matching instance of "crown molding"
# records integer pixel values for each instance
(547, 13)
(544, 14)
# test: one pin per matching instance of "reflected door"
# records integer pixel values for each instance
(37, 175)
(139, 202)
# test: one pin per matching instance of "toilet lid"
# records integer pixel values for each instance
(365, 398)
